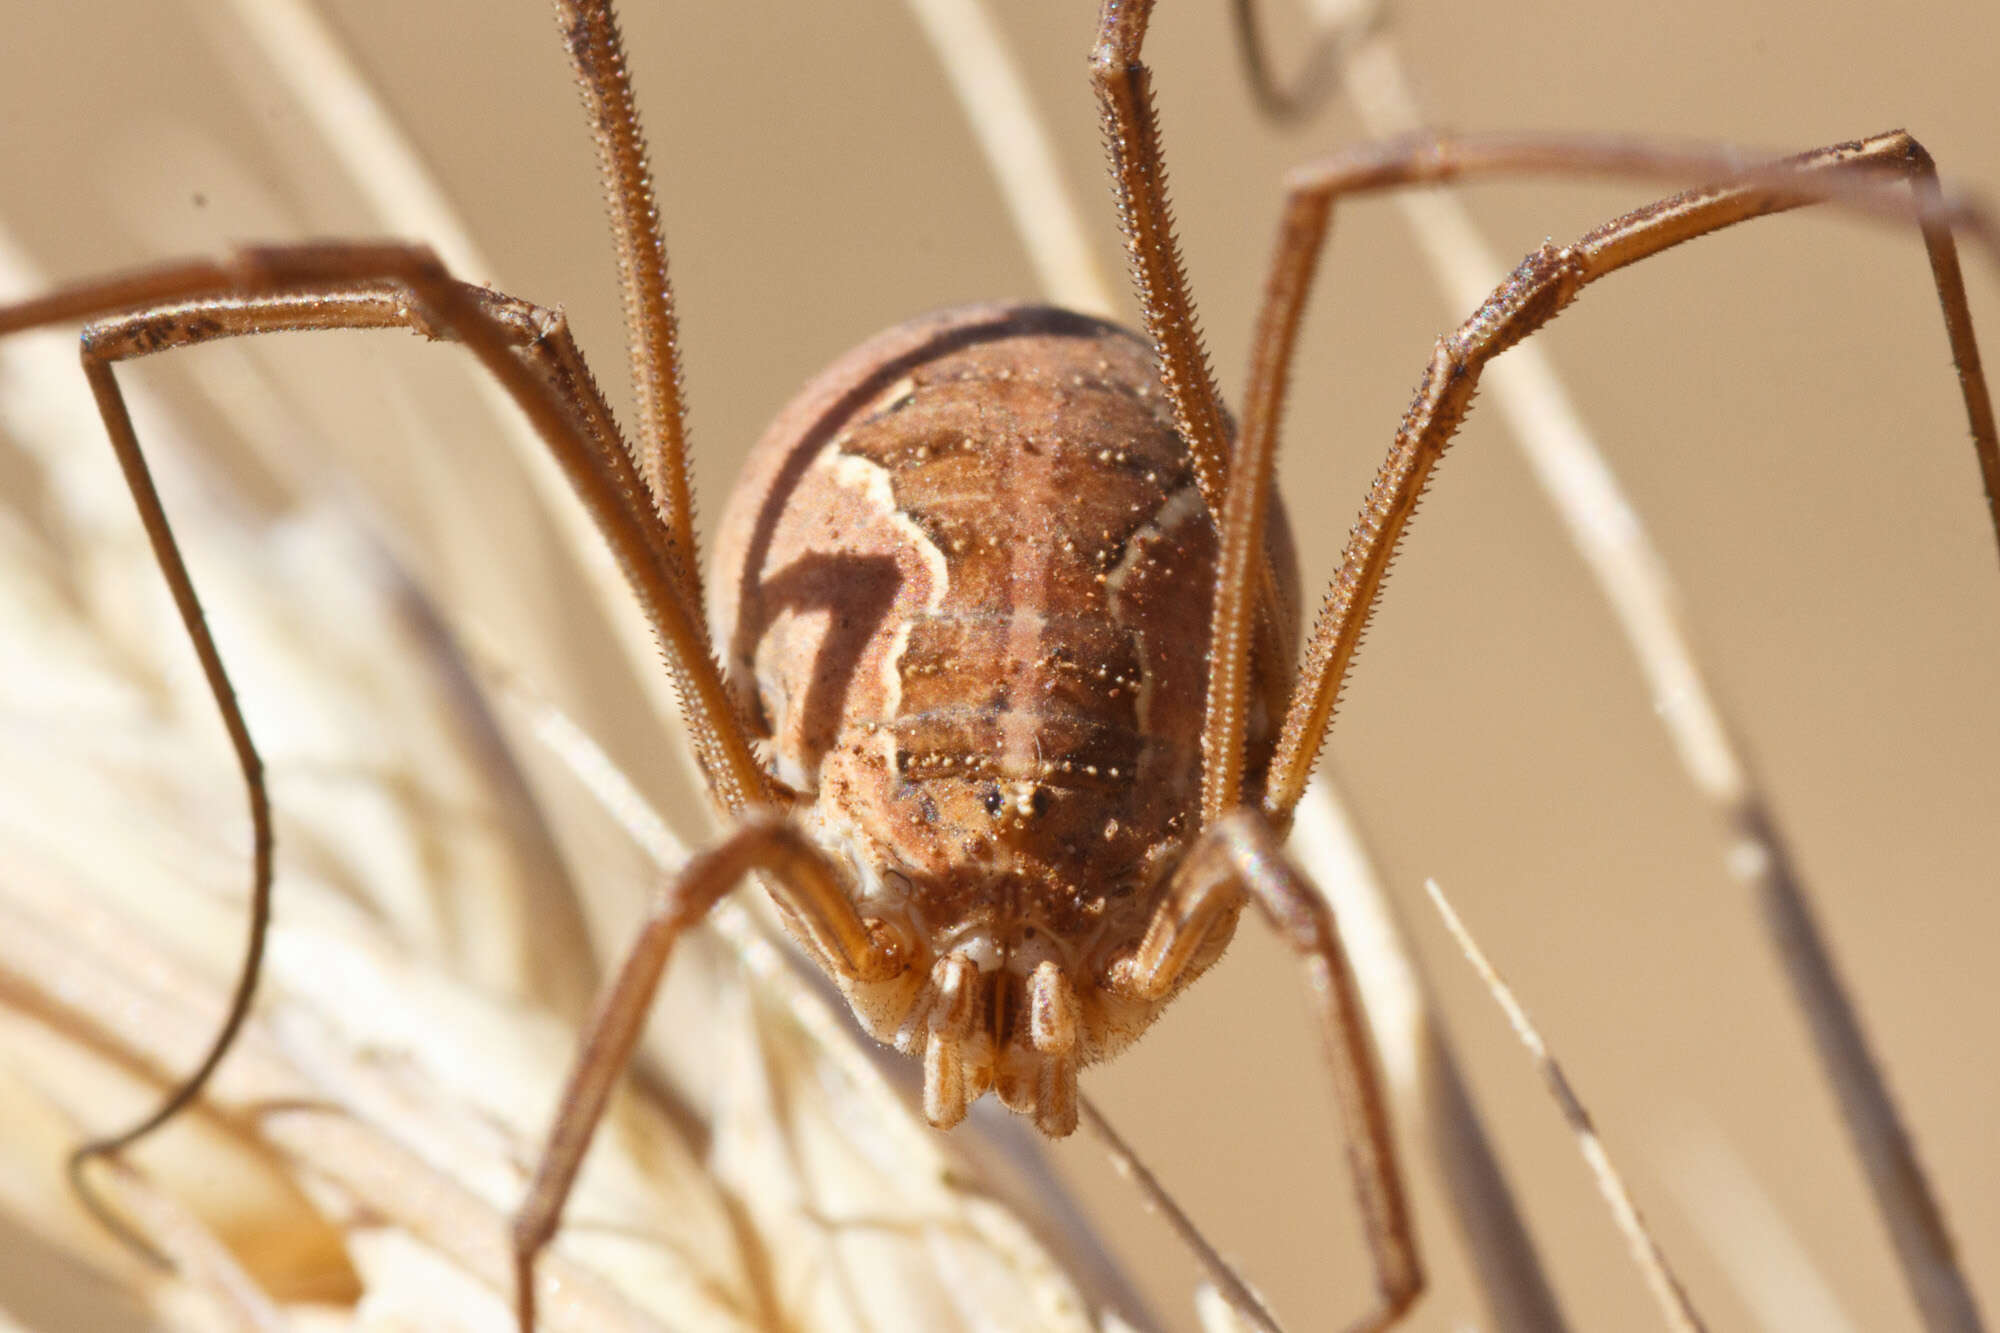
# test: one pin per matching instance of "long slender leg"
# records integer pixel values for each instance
(1139, 177)
(597, 54)
(529, 349)
(1242, 853)
(137, 335)
(166, 552)
(1884, 1145)
(1866, 175)
(1139, 180)
(803, 880)
(721, 742)
(200, 301)
(1225, 721)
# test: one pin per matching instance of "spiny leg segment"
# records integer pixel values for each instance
(1139, 185)
(1851, 174)
(1867, 176)
(1243, 618)
(1539, 289)
(652, 332)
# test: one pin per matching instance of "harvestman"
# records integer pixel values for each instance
(969, 783)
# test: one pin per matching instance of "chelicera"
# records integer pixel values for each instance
(999, 697)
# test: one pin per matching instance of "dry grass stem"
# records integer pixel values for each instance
(972, 51)
(1673, 1301)
(1740, 1226)
(1422, 1067)
(1548, 428)
(1224, 1281)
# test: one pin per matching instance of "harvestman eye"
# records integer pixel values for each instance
(1041, 604)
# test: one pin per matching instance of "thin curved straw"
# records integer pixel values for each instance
(1672, 1298)
(986, 80)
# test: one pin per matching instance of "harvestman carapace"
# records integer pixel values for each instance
(1010, 785)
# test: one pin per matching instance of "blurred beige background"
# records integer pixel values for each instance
(1779, 400)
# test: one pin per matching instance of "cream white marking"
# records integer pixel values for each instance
(871, 481)
(1178, 508)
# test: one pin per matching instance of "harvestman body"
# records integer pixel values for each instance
(957, 573)
(1009, 721)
